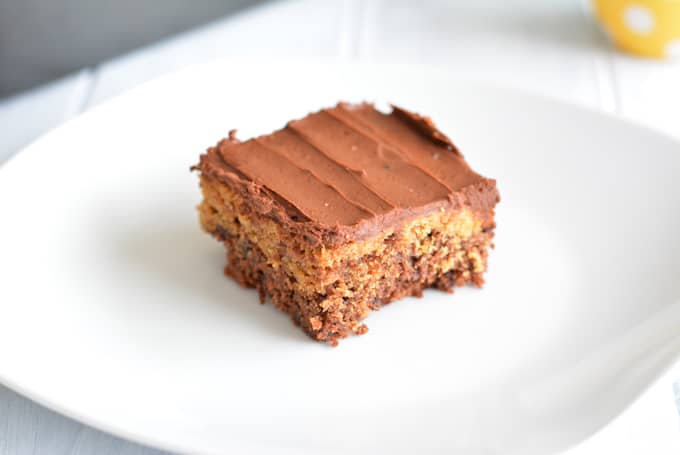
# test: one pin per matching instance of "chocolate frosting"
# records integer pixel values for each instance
(349, 172)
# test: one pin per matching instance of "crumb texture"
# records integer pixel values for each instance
(328, 292)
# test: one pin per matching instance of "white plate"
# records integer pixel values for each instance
(114, 309)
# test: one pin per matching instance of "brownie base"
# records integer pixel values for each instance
(331, 315)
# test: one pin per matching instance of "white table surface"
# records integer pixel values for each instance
(550, 47)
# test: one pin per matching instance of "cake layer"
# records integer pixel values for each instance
(330, 291)
(350, 172)
(317, 266)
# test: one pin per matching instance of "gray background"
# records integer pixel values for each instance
(41, 40)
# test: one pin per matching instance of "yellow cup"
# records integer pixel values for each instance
(644, 27)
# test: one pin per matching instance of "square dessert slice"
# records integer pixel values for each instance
(344, 211)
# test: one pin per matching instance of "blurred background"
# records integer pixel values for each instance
(42, 40)
(59, 58)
